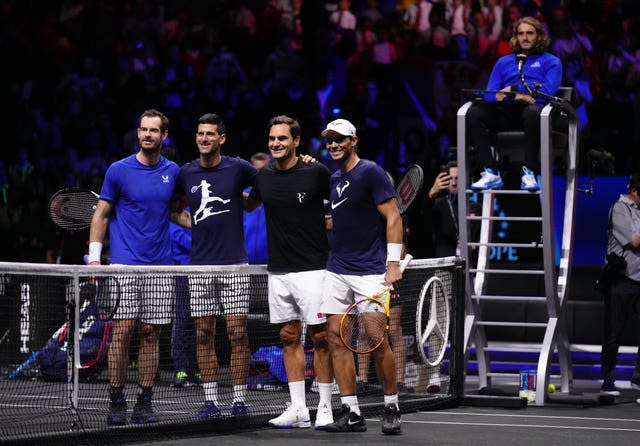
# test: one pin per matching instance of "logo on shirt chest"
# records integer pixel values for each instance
(340, 189)
(205, 211)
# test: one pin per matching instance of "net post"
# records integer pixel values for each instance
(73, 372)
(457, 358)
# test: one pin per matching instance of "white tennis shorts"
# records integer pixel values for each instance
(296, 296)
(341, 290)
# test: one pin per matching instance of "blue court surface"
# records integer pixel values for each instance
(569, 422)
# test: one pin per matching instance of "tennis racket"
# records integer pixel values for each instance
(408, 187)
(57, 338)
(73, 208)
(432, 322)
(106, 296)
(366, 322)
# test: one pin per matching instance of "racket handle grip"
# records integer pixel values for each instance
(25, 365)
(403, 264)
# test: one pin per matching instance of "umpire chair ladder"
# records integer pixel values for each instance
(556, 274)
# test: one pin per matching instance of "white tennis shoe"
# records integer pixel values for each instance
(529, 180)
(324, 416)
(292, 417)
(488, 180)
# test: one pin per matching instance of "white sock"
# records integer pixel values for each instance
(324, 390)
(352, 402)
(391, 399)
(211, 392)
(239, 392)
(297, 393)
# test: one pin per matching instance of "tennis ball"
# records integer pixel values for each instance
(551, 388)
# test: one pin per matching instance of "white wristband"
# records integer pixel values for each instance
(394, 251)
(95, 251)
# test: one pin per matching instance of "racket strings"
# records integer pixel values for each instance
(365, 324)
(73, 209)
(107, 296)
(408, 187)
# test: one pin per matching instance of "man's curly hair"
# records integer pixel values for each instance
(542, 43)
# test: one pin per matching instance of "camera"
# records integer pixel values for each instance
(444, 169)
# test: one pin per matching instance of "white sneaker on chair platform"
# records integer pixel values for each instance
(488, 180)
(529, 182)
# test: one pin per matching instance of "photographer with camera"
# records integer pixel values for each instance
(444, 212)
(442, 206)
(622, 297)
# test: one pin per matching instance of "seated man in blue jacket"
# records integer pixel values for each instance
(517, 105)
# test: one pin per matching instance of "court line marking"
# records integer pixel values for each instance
(543, 426)
(484, 414)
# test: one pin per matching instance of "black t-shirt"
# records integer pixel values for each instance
(294, 209)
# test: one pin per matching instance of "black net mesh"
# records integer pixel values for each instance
(56, 336)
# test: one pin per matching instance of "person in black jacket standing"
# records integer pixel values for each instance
(444, 211)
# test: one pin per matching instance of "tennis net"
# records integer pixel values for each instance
(55, 336)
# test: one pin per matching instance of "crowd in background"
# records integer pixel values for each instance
(77, 74)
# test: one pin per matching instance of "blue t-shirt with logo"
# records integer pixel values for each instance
(139, 224)
(359, 244)
(215, 197)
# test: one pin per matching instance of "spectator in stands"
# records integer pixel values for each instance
(513, 15)
(131, 191)
(440, 43)
(492, 12)
(343, 17)
(224, 77)
(386, 54)
(293, 194)
(365, 256)
(417, 18)
(481, 42)
(371, 11)
(622, 300)
(213, 185)
(458, 12)
(517, 105)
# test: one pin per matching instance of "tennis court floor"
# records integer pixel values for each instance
(553, 424)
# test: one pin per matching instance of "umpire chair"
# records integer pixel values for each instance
(554, 270)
